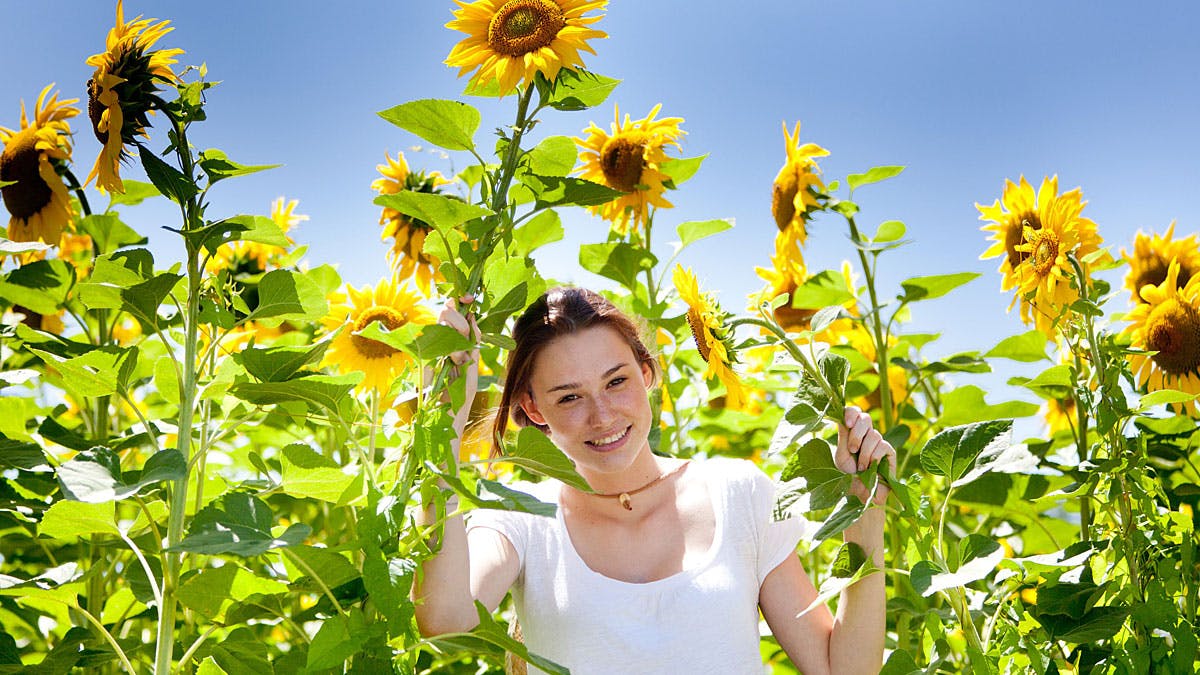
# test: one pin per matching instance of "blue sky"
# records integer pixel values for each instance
(965, 94)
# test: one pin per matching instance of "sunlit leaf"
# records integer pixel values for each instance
(544, 228)
(167, 179)
(94, 476)
(812, 463)
(135, 193)
(107, 231)
(953, 452)
(322, 391)
(849, 566)
(979, 556)
(66, 520)
(240, 524)
(873, 175)
(553, 156)
(618, 261)
(889, 231)
(219, 167)
(567, 191)
(1026, 347)
(99, 372)
(695, 230)
(534, 451)
(1163, 397)
(578, 89)
(966, 404)
(680, 170)
(491, 633)
(41, 286)
(307, 474)
(284, 294)
(446, 124)
(822, 290)
(935, 286)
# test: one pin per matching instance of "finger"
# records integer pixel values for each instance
(868, 449)
(858, 432)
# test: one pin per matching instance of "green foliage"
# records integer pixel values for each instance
(446, 124)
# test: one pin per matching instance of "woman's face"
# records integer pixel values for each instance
(590, 390)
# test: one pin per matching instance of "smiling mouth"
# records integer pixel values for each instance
(610, 440)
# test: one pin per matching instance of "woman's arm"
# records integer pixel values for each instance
(851, 642)
(481, 565)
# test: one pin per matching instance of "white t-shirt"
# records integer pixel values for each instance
(703, 619)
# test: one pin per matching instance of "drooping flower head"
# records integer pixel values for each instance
(407, 254)
(38, 203)
(1167, 323)
(794, 195)
(1036, 236)
(713, 339)
(785, 275)
(1152, 255)
(251, 258)
(510, 41)
(391, 303)
(123, 90)
(629, 159)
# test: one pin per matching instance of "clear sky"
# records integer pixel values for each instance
(1104, 94)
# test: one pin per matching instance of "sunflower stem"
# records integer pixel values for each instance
(77, 188)
(877, 333)
(838, 413)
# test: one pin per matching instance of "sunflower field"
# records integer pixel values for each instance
(212, 464)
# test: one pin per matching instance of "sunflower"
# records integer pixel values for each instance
(1059, 415)
(786, 275)
(1151, 256)
(794, 195)
(1167, 324)
(510, 41)
(252, 258)
(123, 90)
(407, 255)
(78, 251)
(50, 323)
(629, 159)
(391, 303)
(38, 203)
(1017, 208)
(713, 340)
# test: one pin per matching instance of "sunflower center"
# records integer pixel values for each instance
(19, 162)
(783, 201)
(622, 161)
(523, 26)
(96, 109)
(1015, 235)
(372, 349)
(1045, 253)
(696, 323)
(1174, 332)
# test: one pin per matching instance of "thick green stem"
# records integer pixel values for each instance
(877, 332)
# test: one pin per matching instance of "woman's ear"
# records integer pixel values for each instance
(647, 374)
(531, 410)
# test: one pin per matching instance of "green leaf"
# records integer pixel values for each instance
(618, 261)
(812, 393)
(1026, 347)
(279, 364)
(554, 156)
(135, 193)
(6, 183)
(544, 228)
(851, 510)
(422, 341)
(94, 476)
(889, 231)
(1100, 623)
(143, 300)
(1162, 397)
(825, 316)
(680, 170)
(40, 286)
(67, 520)
(307, 474)
(99, 372)
(443, 212)
(446, 124)
(979, 555)
(113, 273)
(695, 230)
(578, 89)
(935, 286)
(966, 404)
(488, 632)
(107, 231)
(335, 642)
(873, 175)
(320, 391)
(850, 565)
(212, 590)
(388, 583)
(240, 524)
(493, 495)
(14, 413)
(219, 167)
(812, 463)
(329, 567)
(534, 451)
(567, 191)
(901, 662)
(822, 290)
(22, 456)
(169, 180)
(1054, 382)
(953, 452)
(284, 294)
(242, 653)
(259, 229)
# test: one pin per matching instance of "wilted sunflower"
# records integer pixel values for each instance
(38, 203)
(251, 257)
(713, 340)
(793, 196)
(1168, 324)
(393, 305)
(785, 275)
(123, 90)
(1151, 256)
(630, 160)
(1019, 208)
(407, 254)
(510, 41)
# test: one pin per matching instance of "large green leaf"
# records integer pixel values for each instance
(240, 524)
(553, 156)
(544, 228)
(812, 395)
(322, 391)
(94, 476)
(107, 231)
(340, 637)
(534, 451)
(954, 451)
(99, 372)
(618, 261)
(680, 170)
(389, 582)
(213, 589)
(979, 557)
(812, 464)
(446, 124)
(143, 300)
(330, 568)
(1099, 623)
(488, 632)
(169, 180)
(307, 474)
(112, 273)
(966, 404)
(578, 89)
(219, 167)
(424, 341)
(695, 230)
(850, 511)
(823, 289)
(241, 653)
(567, 191)
(494, 495)
(1054, 382)
(443, 212)
(40, 286)
(22, 455)
(66, 520)
(259, 229)
(284, 294)
(1026, 347)
(850, 565)
(279, 364)
(935, 286)
(873, 175)
(135, 193)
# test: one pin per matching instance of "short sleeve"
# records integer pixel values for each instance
(508, 523)
(776, 539)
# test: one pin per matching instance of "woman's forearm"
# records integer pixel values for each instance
(442, 589)
(856, 643)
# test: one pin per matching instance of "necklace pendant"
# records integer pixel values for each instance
(625, 501)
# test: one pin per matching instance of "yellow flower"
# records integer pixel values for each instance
(1059, 415)
(50, 323)
(786, 274)
(629, 159)
(78, 251)
(38, 203)
(123, 90)
(713, 340)
(510, 41)
(252, 258)
(1151, 256)
(1168, 324)
(794, 194)
(407, 255)
(126, 331)
(390, 303)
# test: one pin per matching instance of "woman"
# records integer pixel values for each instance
(664, 567)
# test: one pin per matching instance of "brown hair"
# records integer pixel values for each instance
(560, 311)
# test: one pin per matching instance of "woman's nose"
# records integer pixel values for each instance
(600, 412)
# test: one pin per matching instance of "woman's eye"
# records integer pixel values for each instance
(616, 381)
(568, 398)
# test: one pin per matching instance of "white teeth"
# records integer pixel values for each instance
(611, 439)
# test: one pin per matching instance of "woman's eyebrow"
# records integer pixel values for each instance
(576, 385)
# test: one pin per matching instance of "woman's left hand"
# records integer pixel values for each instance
(861, 447)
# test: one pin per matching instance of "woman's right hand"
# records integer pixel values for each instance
(466, 363)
